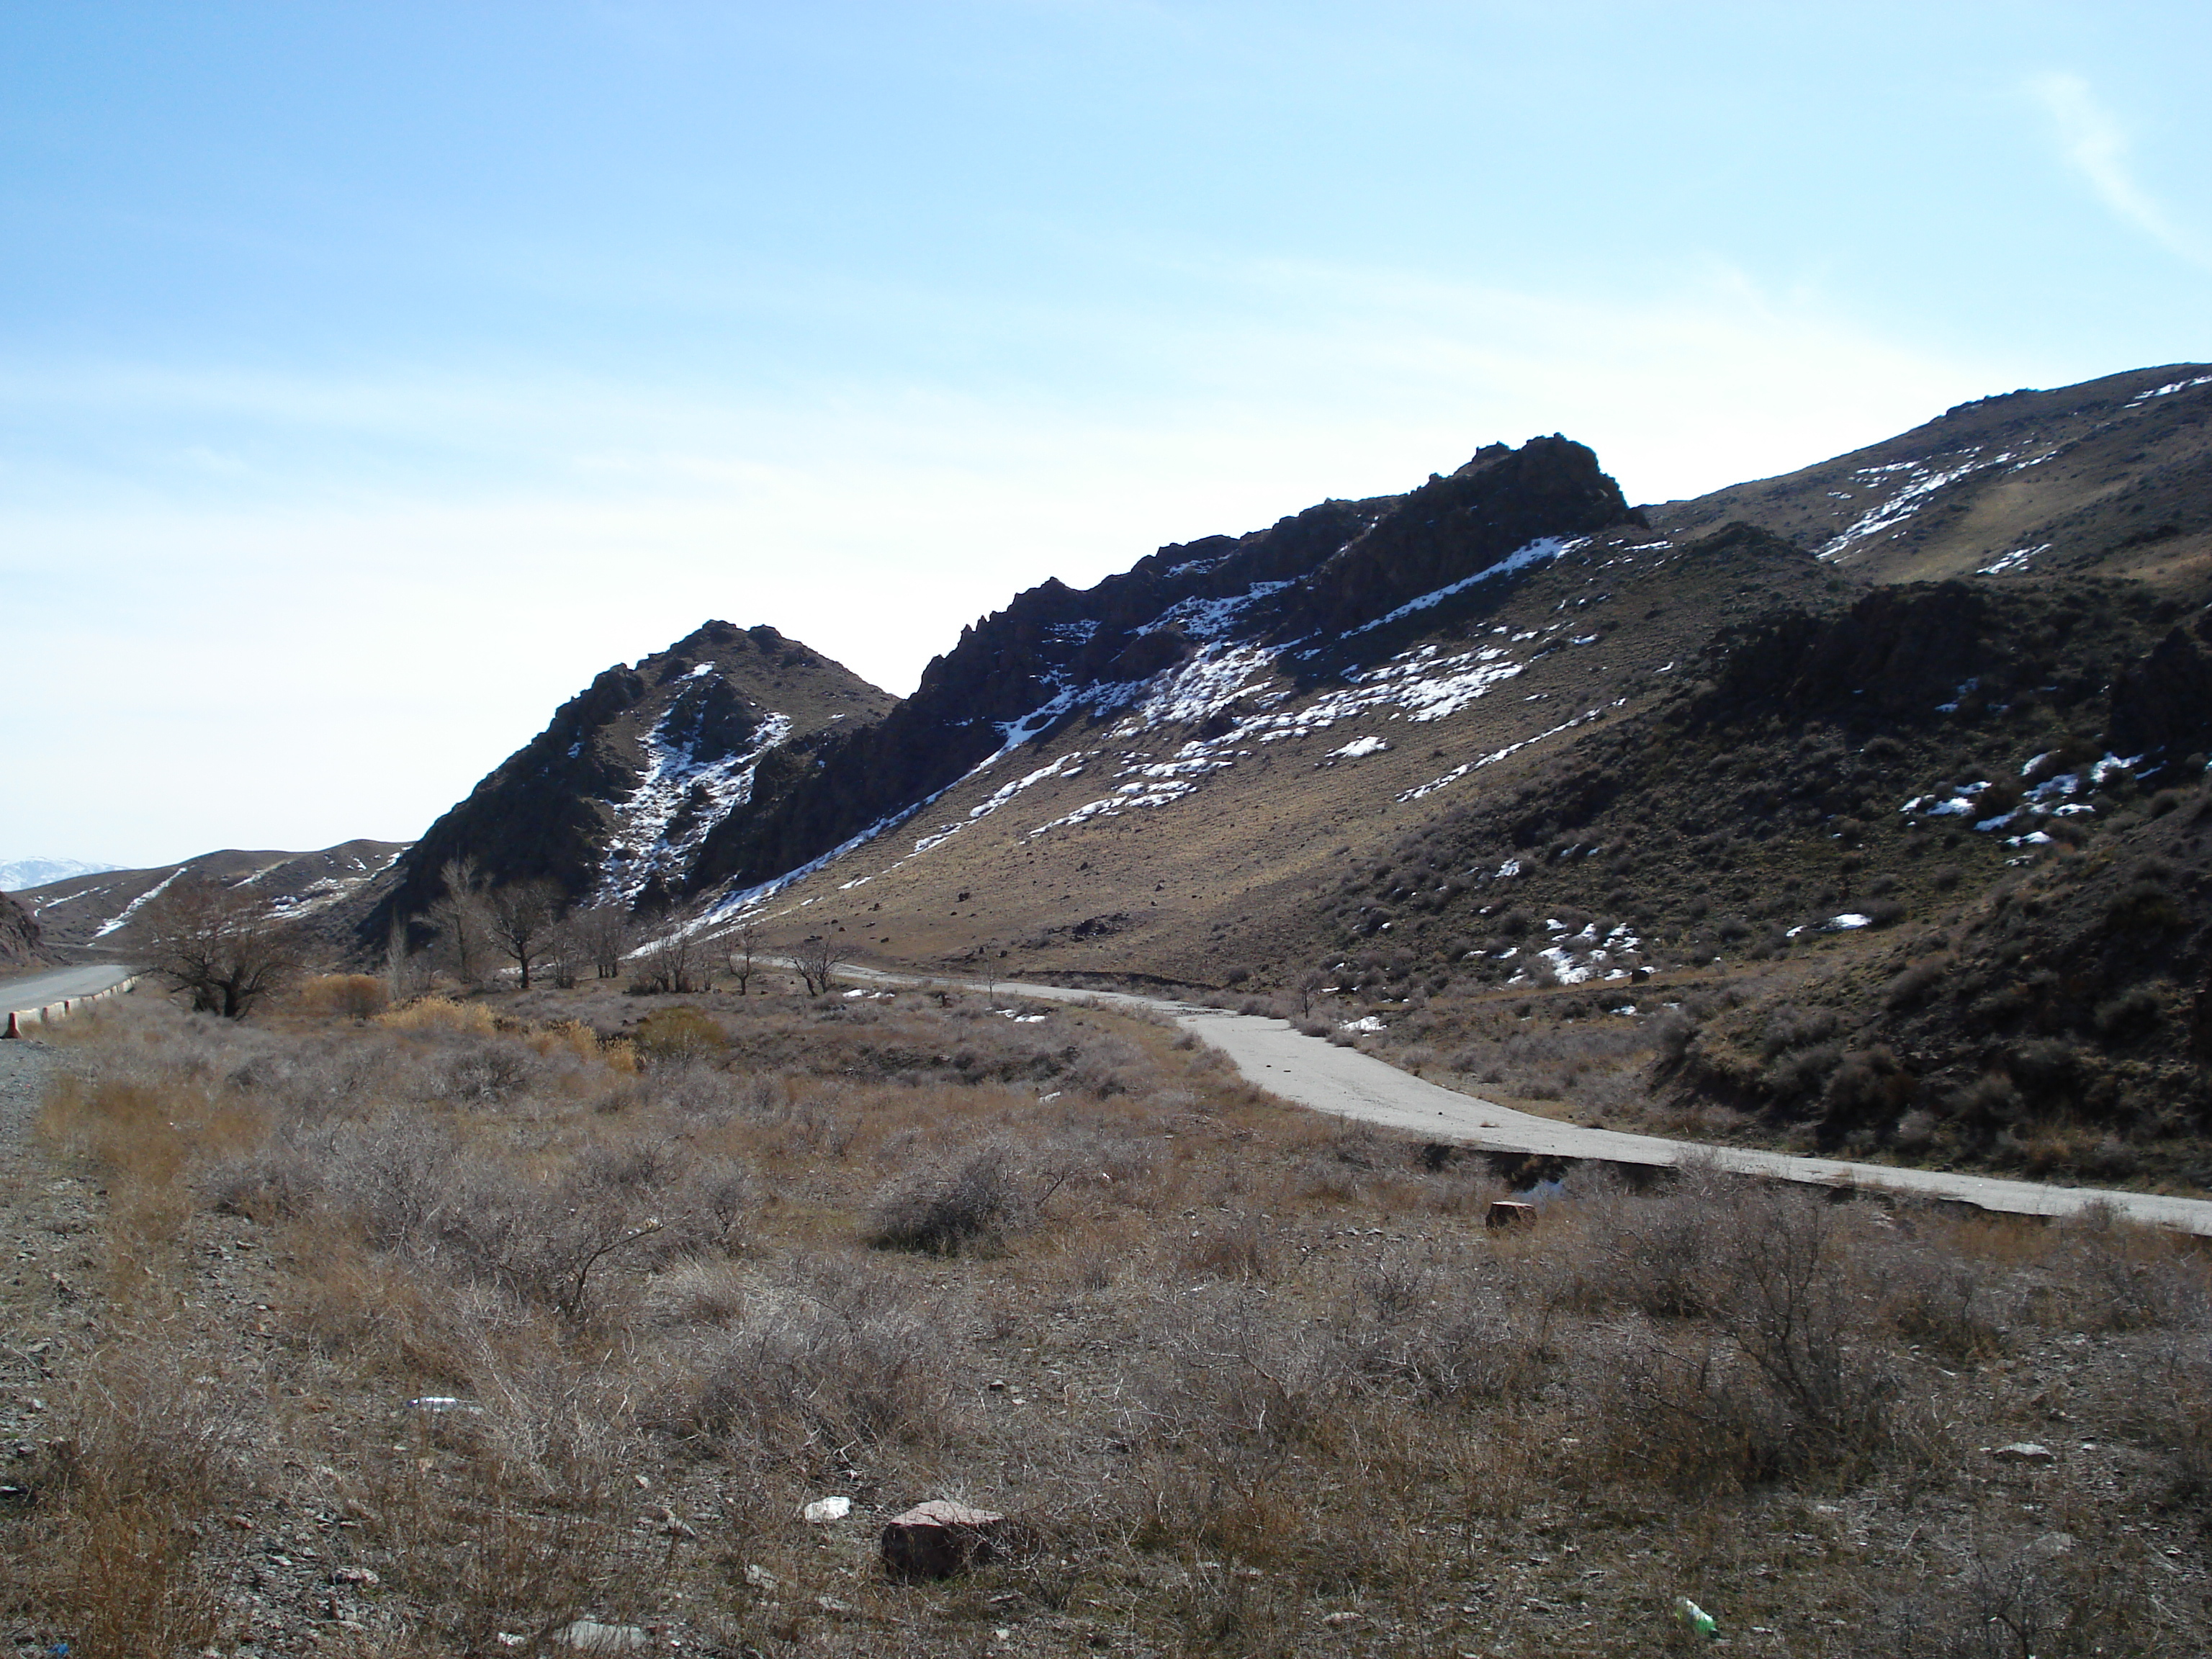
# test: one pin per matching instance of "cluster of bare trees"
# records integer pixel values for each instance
(230, 948)
(478, 929)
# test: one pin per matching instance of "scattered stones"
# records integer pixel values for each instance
(759, 1577)
(1508, 1212)
(666, 1520)
(939, 1538)
(2025, 1452)
(823, 1510)
(589, 1636)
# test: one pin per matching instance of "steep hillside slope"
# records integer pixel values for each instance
(1195, 824)
(1471, 763)
(1895, 839)
(18, 935)
(2114, 475)
(1319, 589)
(637, 773)
(93, 915)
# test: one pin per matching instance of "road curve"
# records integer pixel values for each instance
(30, 997)
(1314, 1073)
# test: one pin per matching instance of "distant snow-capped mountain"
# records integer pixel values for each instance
(17, 874)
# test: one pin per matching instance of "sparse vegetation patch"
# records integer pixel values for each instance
(445, 1329)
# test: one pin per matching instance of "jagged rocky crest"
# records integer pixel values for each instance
(1055, 654)
(737, 755)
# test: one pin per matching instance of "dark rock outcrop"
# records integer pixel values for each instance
(2164, 702)
(19, 934)
(685, 719)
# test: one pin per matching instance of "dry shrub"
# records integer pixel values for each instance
(1241, 1249)
(828, 1363)
(1942, 1303)
(341, 996)
(1237, 1366)
(2049, 1597)
(1754, 1359)
(439, 1014)
(142, 1137)
(2133, 1278)
(525, 1525)
(149, 1447)
(127, 1579)
(569, 1036)
(970, 1203)
(677, 1037)
(1439, 1330)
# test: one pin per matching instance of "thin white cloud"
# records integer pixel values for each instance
(425, 561)
(2096, 146)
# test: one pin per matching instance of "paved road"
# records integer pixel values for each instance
(36, 990)
(1314, 1073)
(39, 997)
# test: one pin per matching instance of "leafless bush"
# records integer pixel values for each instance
(489, 1072)
(815, 959)
(227, 947)
(1754, 1360)
(148, 1449)
(1242, 1249)
(802, 1364)
(2133, 1279)
(1228, 1368)
(2039, 1599)
(673, 965)
(1435, 1330)
(1940, 1302)
(970, 1203)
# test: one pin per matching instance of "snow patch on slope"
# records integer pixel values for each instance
(1544, 547)
(1909, 483)
(681, 798)
(131, 909)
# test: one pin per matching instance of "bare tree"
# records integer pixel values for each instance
(817, 962)
(463, 933)
(229, 949)
(406, 972)
(745, 954)
(670, 964)
(520, 919)
(604, 934)
(564, 952)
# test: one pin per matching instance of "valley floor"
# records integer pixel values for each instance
(437, 1331)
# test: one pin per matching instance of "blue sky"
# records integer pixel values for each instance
(373, 375)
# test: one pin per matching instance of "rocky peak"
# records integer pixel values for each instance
(1055, 652)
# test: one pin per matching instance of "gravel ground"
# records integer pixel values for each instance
(24, 1067)
(46, 1224)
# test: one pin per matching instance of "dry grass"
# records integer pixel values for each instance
(1250, 1381)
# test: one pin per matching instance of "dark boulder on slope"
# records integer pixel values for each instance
(2164, 702)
